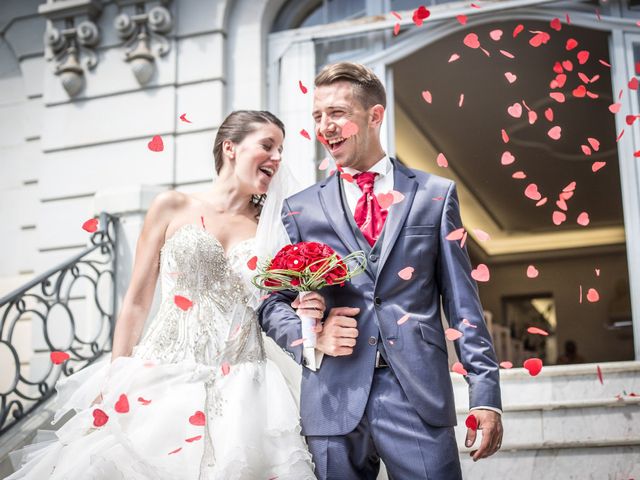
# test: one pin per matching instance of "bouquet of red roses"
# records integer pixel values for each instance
(306, 267)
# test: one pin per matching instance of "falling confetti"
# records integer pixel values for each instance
(58, 357)
(305, 134)
(506, 364)
(532, 272)
(442, 161)
(156, 144)
(183, 117)
(406, 273)
(182, 303)
(592, 295)
(303, 89)
(481, 274)
(100, 418)
(458, 368)
(90, 225)
(252, 263)
(537, 331)
(452, 334)
(533, 365)
(198, 419)
(122, 405)
(143, 401)
(403, 319)
(471, 422)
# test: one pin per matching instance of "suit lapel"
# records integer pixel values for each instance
(334, 211)
(404, 183)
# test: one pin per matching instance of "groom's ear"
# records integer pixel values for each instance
(376, 115)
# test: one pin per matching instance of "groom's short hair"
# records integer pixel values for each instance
(367, 87)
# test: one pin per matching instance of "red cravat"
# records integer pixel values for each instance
(369, 216)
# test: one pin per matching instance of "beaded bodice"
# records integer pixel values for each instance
(194, 265)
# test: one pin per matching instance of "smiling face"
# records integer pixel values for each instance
(334, 106)
(256, 159)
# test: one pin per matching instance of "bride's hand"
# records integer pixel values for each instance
(312, 306)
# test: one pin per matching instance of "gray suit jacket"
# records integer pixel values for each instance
(333, 398)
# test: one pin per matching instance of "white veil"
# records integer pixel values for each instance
(271, 236)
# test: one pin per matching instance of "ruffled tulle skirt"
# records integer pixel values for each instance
(173, 421)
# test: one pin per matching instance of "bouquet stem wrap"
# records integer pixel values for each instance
(308, 325)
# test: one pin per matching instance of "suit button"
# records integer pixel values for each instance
(373, 341)
(373, 257)
(377, 301)
(305, 362)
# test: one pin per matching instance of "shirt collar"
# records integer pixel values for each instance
(382, 167)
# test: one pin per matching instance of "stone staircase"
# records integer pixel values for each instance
(562, 424)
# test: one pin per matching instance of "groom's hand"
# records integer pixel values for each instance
(490, 423)
(338, 335)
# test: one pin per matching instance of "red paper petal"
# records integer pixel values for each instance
(633, 83)
(122, 405)
(505, 136)
(471, 422)
(305, 134)
(175, 451)
(303, 89)
(571, 44)
(193, 439)
(198, 419)
(516, 31)
(533, 365)
(183, 303)
(226, 368)
(142, 401)
(156, 144)
(548, 113)
(183, 117)
(555, 24)
(90, 225)
(462, 19)
(599, 372)
(58, 357)
(583, 57)
(100, 418)
(252, 263)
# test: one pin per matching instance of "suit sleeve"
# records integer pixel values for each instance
(277, 318)
(460, 300)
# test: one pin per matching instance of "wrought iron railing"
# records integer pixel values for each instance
(51, 302)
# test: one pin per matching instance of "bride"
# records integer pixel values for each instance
(196, 398)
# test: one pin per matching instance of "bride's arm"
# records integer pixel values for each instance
(137, 300)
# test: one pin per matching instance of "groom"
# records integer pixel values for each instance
(377, 386)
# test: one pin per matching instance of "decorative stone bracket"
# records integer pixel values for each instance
(71, 36)
(143, 27)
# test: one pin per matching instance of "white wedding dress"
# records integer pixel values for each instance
(204, 402)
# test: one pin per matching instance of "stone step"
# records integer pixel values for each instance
(564, 462)
(560, 383)
(566, 424)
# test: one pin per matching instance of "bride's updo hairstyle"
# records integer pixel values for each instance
(237, 126)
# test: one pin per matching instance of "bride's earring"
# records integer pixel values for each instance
(258, 200)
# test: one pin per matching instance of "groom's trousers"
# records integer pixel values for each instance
(390, 430)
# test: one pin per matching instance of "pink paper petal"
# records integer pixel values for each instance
(507, 158)
(456, 234)
(532, 192)
(442, 161)
(506, 364)
(452, 334)
(403, 319)
(481, 235)
(481, 273)
(555, 132)
(537, 331)
(426, 95)
(458, 368)
(593, 295)
(349, 129)
(532, 272)
(583, 219)
(406, 273)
